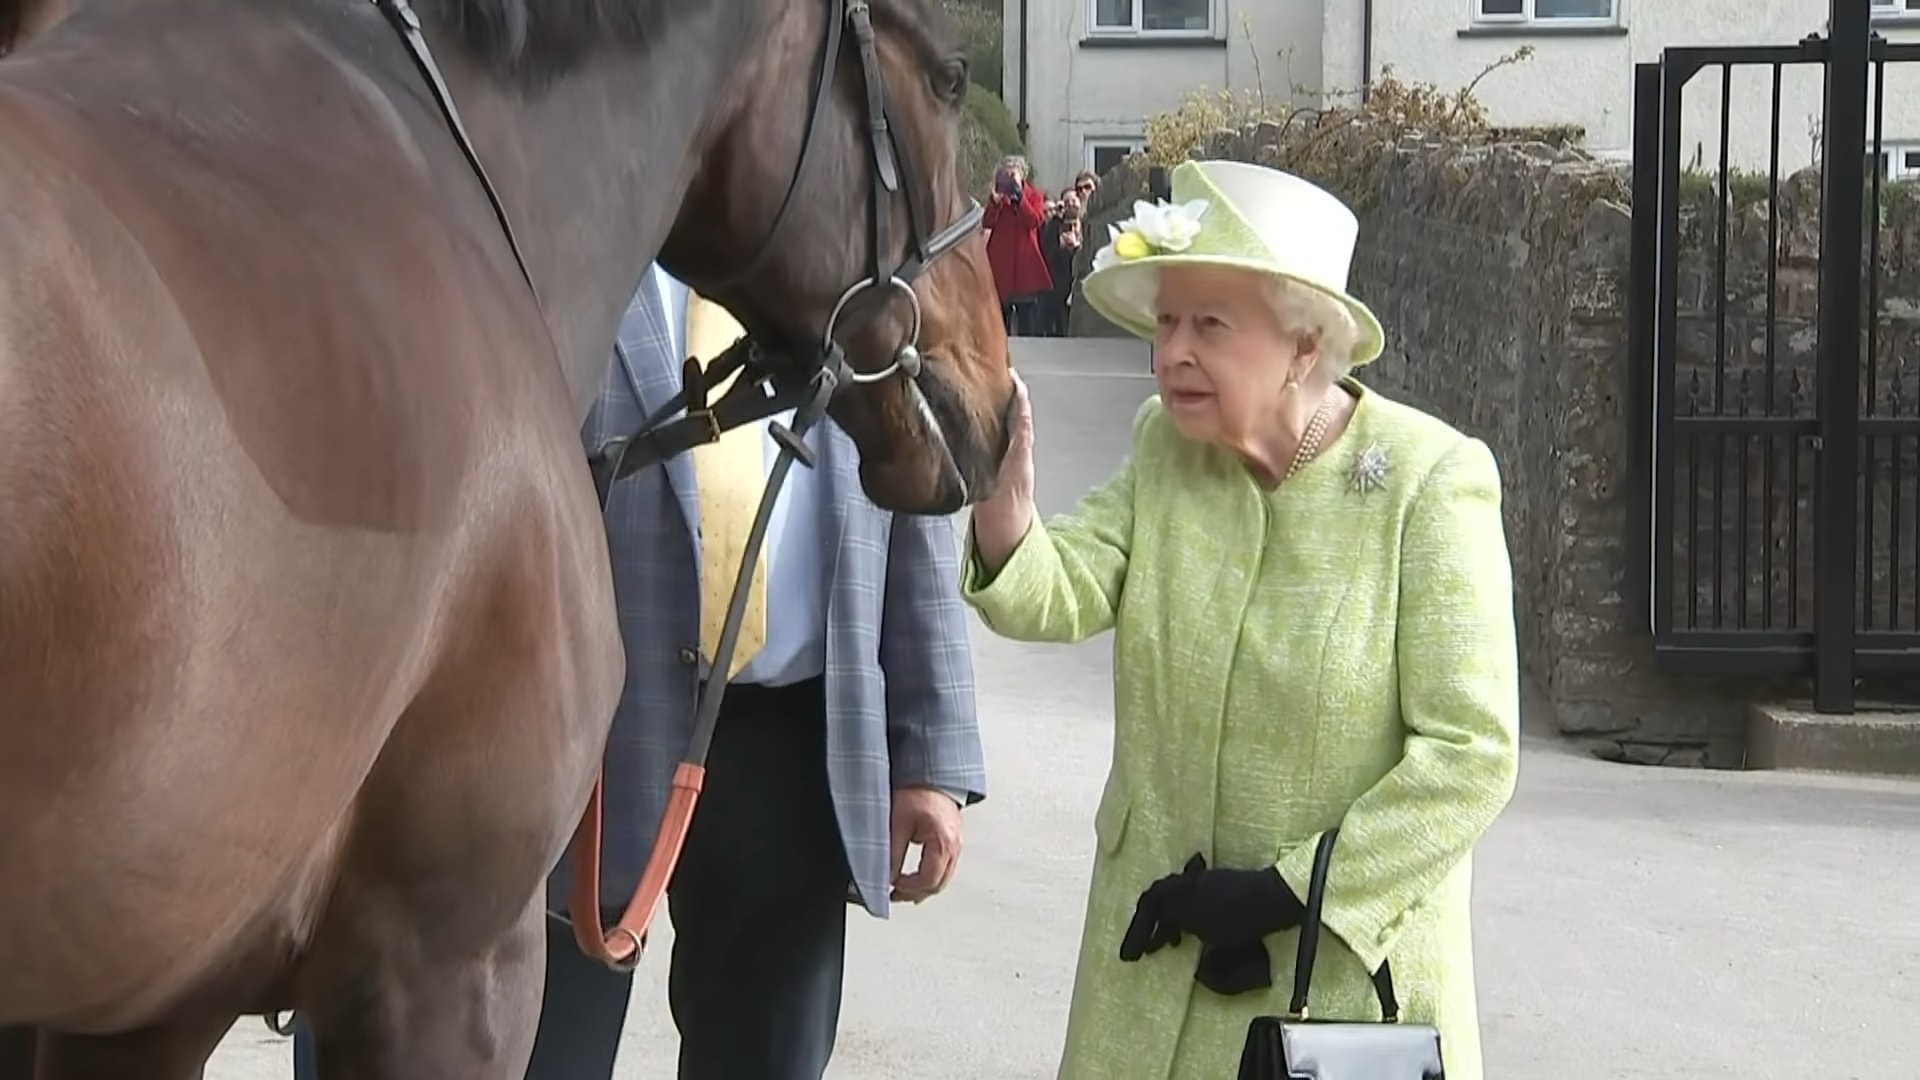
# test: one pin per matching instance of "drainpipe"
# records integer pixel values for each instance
(1366, 48)
(1021, 127)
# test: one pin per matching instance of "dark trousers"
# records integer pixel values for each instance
(1054, 314)
(1022, 315)
(759, 910)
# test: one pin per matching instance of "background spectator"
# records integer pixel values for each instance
(1015, 212)
(1060, 240)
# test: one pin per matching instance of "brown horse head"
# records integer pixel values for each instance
(734, 141)
(798, 206)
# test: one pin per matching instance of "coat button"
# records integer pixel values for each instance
(689, 657)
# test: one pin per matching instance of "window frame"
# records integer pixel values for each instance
(1133, 144)
(1891, 169)
(1135, 29)
(1892, 9)
(1477, 13)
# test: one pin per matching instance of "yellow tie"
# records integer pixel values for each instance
(729, 476)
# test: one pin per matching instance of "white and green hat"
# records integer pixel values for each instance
(1231, 214)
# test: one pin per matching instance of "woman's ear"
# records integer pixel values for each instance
(1306, 356)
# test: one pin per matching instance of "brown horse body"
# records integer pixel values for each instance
(307, 643)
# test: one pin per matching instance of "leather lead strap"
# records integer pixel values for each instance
(619, 947)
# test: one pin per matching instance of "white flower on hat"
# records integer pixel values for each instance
(1154, 229)
(1168, 227)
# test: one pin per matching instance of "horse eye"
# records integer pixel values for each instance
(951, 81)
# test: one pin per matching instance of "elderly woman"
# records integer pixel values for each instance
(1310, 593)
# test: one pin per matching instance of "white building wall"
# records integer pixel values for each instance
(1585, 76)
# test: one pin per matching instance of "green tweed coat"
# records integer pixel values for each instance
(1284, 662)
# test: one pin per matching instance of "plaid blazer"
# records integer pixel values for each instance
(899, 669)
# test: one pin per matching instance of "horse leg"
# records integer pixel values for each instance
(430, 960)
(175, 1051)
(421, 1015)
(17, 1052)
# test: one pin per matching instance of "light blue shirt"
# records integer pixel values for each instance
(796, 582)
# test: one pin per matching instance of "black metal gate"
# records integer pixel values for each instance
(1777, 510)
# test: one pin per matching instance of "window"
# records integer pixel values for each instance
(1884, 8)
(1103, 155)
(1191, 18)
(1899, 161)
(1549, 11)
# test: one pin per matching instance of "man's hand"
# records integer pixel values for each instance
(931, 819)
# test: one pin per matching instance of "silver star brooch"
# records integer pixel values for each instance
(1369, 470)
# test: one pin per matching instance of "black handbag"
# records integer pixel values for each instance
(1300, 1047)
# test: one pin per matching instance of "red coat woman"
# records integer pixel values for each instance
(1014, 216)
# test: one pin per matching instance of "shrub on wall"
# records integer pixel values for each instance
(1343, 146)
(978, 27)
(987, 128)
(987, 133)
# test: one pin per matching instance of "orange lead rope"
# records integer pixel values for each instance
(620, 947)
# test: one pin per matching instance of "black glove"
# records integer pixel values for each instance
(1220, 907)
(1234, 969)
(1232, 907)
(1151, 929)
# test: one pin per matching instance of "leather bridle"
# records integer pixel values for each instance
(769, 382)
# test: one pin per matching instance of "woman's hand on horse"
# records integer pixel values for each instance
(1000, 522)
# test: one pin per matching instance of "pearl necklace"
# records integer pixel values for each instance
(1310, 441)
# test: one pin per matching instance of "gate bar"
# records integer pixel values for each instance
(1640, 371)
(1836, 504)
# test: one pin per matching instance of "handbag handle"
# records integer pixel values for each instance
(1310, 942)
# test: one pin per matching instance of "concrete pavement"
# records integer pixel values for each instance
(1632, 924)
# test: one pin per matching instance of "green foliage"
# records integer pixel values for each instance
(987, 133)
(1558, 136)
(987, 128)
(1409, 108)
(1699, 188)
(979, 27)
(1343, 144)
(1897, 200)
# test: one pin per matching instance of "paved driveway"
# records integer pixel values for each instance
(1633, 924)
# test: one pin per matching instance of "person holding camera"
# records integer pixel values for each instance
(1014, 216)
(1060, 241)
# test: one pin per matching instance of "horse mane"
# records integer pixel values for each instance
(536, 40)
(13, 22)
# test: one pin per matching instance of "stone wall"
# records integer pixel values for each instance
(1500, 271)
